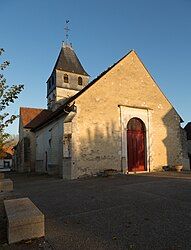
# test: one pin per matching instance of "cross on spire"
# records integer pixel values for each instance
(66, 31)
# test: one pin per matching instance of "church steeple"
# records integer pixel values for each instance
(67, 78)
(68, 61)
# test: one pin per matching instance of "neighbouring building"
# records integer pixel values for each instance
(187, 129)
(6, 158)
(121, 120)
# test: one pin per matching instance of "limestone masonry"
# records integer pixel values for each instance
(121, 121)
(25, 220)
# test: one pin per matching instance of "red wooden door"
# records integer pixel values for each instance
(136, 145)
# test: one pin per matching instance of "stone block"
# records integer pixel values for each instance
(25, 220)
(2, 175)
(6, 185)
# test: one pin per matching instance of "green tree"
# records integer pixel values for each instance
(8, 94)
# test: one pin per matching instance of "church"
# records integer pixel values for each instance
(121, 120)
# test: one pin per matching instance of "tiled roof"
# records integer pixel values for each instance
(49, 117)
(6, 153)
(68, 61)
(31, 117)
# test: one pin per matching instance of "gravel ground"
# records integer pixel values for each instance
(148, 211)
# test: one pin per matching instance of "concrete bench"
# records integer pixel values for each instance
(2, 175)
(25, 220)
(6, 185)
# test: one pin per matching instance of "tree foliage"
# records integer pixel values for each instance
(8, 94)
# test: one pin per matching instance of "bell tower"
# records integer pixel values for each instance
(67, 78)
(68, 75)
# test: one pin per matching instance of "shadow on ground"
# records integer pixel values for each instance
(118, 212)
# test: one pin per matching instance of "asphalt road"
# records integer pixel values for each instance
(119, 212)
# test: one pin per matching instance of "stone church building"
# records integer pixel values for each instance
(121, 120)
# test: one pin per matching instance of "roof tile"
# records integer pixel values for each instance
(32, 117)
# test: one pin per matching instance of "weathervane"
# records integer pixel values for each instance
(66, 31)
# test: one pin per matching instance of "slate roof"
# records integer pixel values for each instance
(68, 61)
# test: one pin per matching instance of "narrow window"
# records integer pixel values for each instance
(66, 78)
(79, 80)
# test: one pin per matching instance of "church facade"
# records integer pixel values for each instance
(121, 121)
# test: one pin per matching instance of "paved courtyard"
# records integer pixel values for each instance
(150, 211)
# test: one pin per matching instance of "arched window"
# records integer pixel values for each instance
(65, 78)
(80, 80)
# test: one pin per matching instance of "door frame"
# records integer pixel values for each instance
(126, 114)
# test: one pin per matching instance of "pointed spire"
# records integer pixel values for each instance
(68, 61)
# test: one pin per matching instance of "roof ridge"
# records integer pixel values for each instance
(60, 109)
(31, 108)
(98, 77)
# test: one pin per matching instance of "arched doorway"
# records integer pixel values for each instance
(136, 145)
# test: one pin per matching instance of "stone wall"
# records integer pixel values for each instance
(72, 80)
(67, 150)
(25, 163)
(97, 129)
(60, 91)
(63, 94)
(49, 148)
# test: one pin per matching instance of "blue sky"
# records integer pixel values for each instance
(102, 31)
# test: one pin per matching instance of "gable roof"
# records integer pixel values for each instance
(61, 109)
(95, 80)
(106, 71)
(68, 61)
(181, 120)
